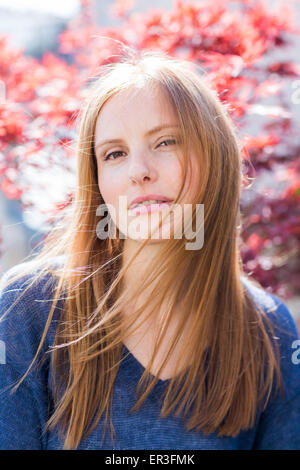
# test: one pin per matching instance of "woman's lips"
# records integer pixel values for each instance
(148, 208)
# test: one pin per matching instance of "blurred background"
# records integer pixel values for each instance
(249, 52)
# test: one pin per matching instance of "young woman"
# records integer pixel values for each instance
(143, 337)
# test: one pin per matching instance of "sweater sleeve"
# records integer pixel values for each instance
(24, 412)
(279, 424)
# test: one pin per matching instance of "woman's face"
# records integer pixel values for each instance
(142, 161)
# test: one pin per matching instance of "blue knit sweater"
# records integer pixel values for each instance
(24, 413)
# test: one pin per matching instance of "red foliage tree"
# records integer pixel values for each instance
(232, 45)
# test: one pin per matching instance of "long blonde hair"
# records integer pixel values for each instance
(232, 360)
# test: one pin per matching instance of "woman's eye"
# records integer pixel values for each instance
(168, 140)
(107, 157)
(112, 153)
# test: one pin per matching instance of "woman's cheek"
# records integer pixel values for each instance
(110, 194)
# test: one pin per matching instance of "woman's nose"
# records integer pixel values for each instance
(140, 171)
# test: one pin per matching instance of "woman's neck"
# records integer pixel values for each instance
(141, 342)
(140, 264)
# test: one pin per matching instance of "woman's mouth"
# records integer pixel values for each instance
(148, 207)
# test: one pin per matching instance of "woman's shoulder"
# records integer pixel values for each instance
(284, 334)
(26, 294)
(278, 422)
(29, 269)
(39, 275)
(274, 307)
(30, 282)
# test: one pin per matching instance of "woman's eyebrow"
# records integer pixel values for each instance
(150, 132)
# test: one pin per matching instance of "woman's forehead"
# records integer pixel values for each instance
(142, 106)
